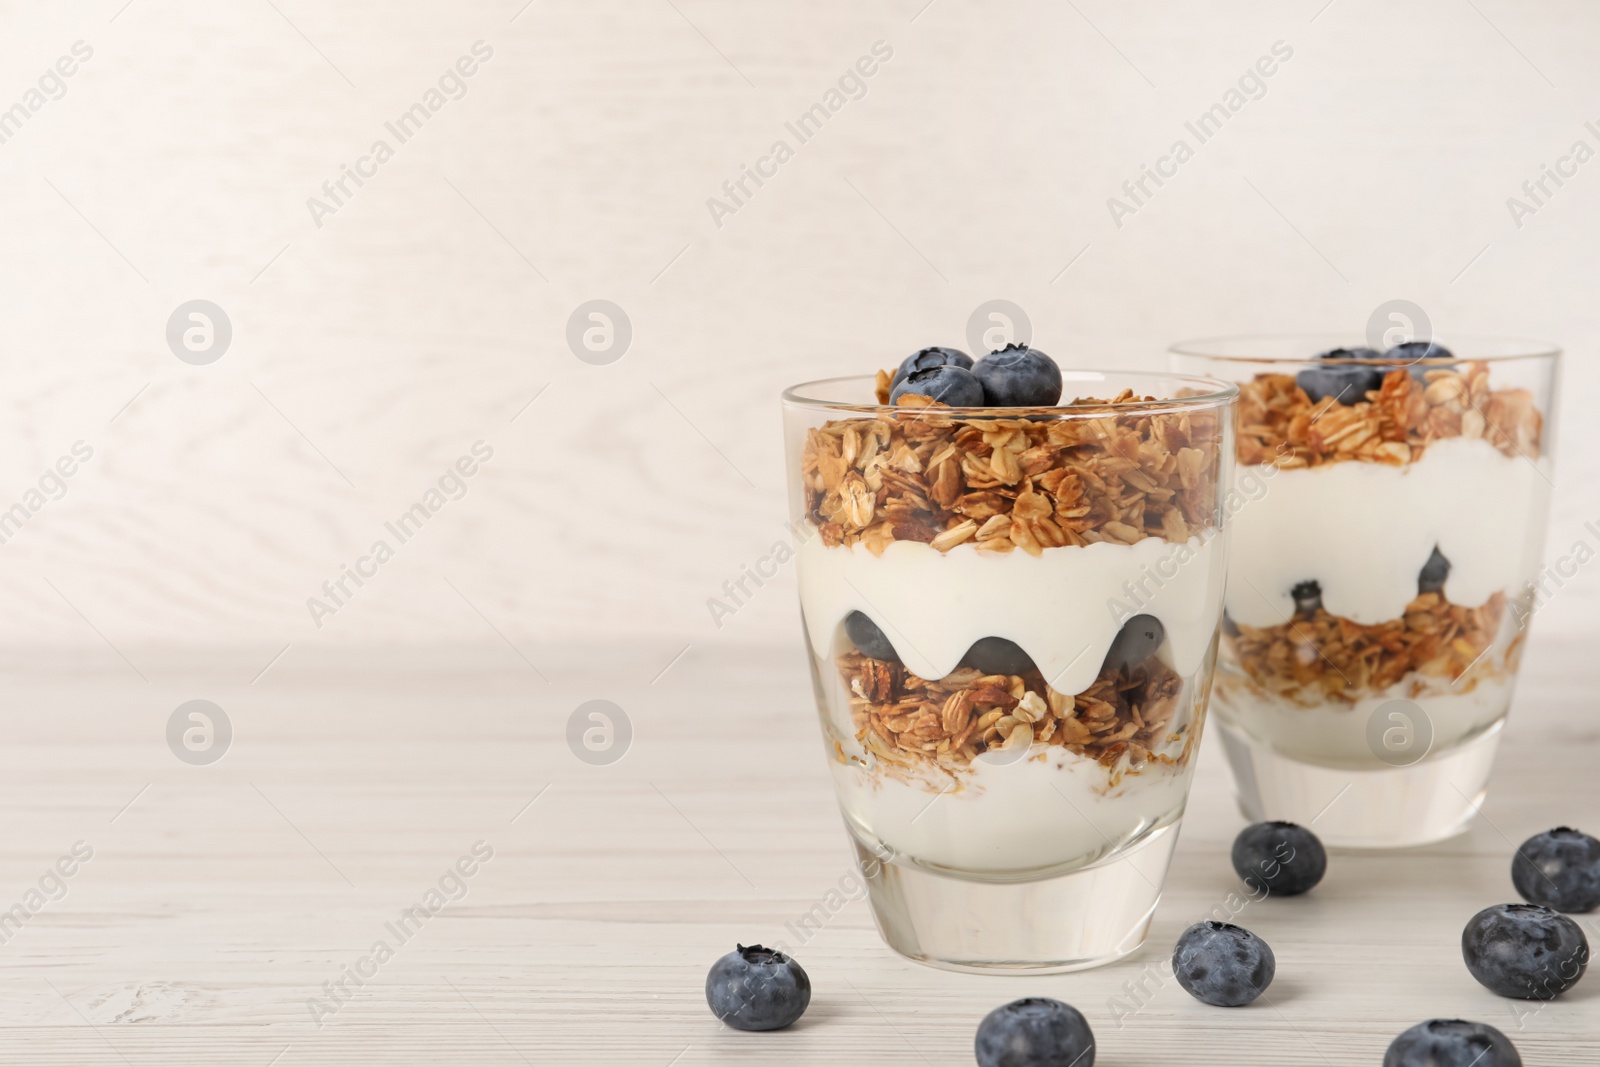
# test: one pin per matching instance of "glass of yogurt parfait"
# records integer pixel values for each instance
(1389, 523)
(1011, 613)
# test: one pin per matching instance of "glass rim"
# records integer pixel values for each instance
(1225, 348)
(1217, 392)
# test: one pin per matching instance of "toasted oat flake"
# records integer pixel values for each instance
(1318, 658)
(1394, 424)
(923, 474)
(1124, 720)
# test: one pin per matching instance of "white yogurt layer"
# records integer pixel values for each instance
(1064, 607)
(1337, 734)
(1014, 817)
(1364, 531)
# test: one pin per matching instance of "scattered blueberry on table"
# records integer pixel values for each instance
(1018, 376)
(1524, 951)
(947, 384)
(1559, 869)
(1452, 1043)
(1282, 858)
(868, 638)
(757, 988)
(928, 358)
(1035, 1032)
(1222, 964)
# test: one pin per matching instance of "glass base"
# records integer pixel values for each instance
(1388, 807)
(1064, 922)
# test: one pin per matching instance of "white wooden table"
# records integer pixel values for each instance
(221, 898)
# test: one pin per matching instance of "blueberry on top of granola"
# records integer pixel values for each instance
(1350, 353)
(1346, 383)
(948, 384)
(1419, 357)
(1018, 376)
(1287, 425)
(928, 358)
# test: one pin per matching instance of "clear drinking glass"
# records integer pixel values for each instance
(1011, 616)
(1384, 565)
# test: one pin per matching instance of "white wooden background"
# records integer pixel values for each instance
(428, 311)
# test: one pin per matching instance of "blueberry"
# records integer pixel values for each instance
(1524, 951)
(948, 385)
(1350, 353)
(1345, 382)
(996, 655)
(1136, 642)
(927, 358)
(1559, 869)
(1035, 1032)
(1223, 964)
(1307, 597)
(1420, 357)
(868, 639)
(1281, 857)
(757, 988)
(1017, 376)
(1452, 1043)
(1432, 577)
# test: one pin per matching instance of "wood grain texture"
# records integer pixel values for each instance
(221, 899)
(371, 350)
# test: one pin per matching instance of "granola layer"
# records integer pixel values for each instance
(1280, 426)
(914, 725)
(1032, 482)
(1316, 658)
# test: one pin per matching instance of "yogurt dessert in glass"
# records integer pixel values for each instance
(1011, 610)
(1390, 519)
